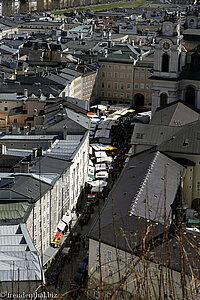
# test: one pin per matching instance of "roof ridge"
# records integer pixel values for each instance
(143, 183)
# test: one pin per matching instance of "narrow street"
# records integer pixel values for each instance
(62, 274)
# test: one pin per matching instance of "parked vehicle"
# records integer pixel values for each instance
(84, 219)
(89, 208)
(92, 198)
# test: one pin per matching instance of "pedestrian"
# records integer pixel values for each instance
(83, 242)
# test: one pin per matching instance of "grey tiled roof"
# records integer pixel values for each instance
(138, 196)
(176, 113)
(186, 140)
(150, 134)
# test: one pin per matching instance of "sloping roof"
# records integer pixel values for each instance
(150, 134)
(186, 140)
(138, 196)
(63, 149)
(51, 165)
(18, 256)
(29, 186)
(175, 113)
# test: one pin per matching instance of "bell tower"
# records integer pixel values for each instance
(167, 63)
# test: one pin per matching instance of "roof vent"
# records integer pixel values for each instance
(186, 142)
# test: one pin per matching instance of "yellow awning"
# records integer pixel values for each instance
(111, 148)
(131, 110)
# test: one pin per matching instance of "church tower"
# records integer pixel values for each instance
(167, 63)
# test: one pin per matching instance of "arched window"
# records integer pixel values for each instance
(163, 99)
(139, 100)
(190, 95)
(165, 63)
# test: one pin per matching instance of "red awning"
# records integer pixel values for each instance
(59, 234)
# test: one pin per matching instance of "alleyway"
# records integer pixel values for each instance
(61, 275)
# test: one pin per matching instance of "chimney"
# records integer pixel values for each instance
(26, 93)
(3, 149)
(34, 152)
(24, 167)
(40, 152)
(65, 132)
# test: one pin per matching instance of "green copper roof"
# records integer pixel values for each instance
(13, 211)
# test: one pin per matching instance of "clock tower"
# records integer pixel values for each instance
(167, 63)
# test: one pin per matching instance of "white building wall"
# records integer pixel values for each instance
(61, 198)
(79, 170)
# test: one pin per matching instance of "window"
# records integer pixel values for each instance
(142, 75)
(115, 95)
(109, 75)
(122, 75)
(190, 97)
(116, 67)
(165, 63)
(97, 268)
(163, 99)
(128, 86)
(109, 255)
(97, 250)
(142, 85)
(116, 85)
(103, 74)
(128, 96)
(179, 63)
(109, 84)
(103, 66)
(198, 186)
(120, 259)
(15, 120)
(121, 85)
(129, 261)
(136, 75)
(139, 135)
(129, 68)
(102, 84)
(122, 67)
(102, 94)
(148, 96)
(148, 86)
(136, 86)
(109, 94)
(121, 95)
(116, 75)
(5, 108)
(128, 76)
(110, 273)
